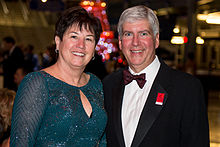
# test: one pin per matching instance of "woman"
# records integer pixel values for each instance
(61, 105)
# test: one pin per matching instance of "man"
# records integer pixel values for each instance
(20, 73)
(167, 108)
(12, 60)
(96, 66)
(30, 58)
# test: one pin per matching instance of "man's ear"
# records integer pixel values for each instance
(157, 40)
(119, 42)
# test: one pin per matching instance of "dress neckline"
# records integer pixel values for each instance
(90, 78)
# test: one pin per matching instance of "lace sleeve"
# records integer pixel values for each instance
(29, 106)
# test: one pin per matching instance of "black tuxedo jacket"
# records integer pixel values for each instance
(181, 121)
(10, 65)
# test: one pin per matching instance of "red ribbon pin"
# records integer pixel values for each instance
(160, 98)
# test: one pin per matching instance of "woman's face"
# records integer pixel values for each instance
(77, 47)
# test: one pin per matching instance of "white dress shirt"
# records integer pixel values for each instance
(11, 50)
(134, 100)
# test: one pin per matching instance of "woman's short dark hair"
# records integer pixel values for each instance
(80, 17)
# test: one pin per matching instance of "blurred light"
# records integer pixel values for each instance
(97, 48)
(85, 2)
(89, 8)
(109, 50)
(185, 39)
(203, 33)
(105, 52)
(162, 12)
(114, 58)
(107, 34)
(103, 12)
(101, 42)
(210, 34)
(177, 40)
(106, 45)
(101, 39)
(92, 3)
(44, 1)
(103, 4)
(213, 21)
(202, 16)
(203, 2)
(199, 40)
(110, 45)
(107, 56)
(120, 60)
(213, 18)
(176, 30)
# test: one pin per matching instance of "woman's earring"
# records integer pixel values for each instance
(93, 58)
(56, 50)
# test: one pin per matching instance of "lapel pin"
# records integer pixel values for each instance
(160, 98)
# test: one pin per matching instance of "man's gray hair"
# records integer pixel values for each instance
(138, 13)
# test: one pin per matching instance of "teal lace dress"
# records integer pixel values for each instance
(48, 112)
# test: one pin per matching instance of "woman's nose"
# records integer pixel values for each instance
(81, 43)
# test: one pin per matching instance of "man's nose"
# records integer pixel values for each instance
(135, 40)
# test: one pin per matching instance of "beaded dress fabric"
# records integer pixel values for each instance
(48, 112)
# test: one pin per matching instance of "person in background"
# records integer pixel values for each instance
(6, 103)
(1, 61)
(190, 65)
(20, 73)
(148, 103)
(49, 57)
(62, 105)
(97, 67)
(13, 58)
(31, 60)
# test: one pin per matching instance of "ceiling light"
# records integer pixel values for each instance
(202, 17)
(203, 2)
(213, 18)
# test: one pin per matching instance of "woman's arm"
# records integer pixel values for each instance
(29, 106)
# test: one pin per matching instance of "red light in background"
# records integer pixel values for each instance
(185, 39)
(124, 63)
(120, 60)
(107, 56)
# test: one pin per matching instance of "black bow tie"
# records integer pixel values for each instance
(128, 77)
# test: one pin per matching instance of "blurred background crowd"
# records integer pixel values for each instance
(189, 41)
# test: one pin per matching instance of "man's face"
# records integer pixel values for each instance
(18, 76)
(6, 46)
(138, 44)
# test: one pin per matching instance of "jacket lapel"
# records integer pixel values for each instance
(150, 113)
(118, 92)
(153, 106)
